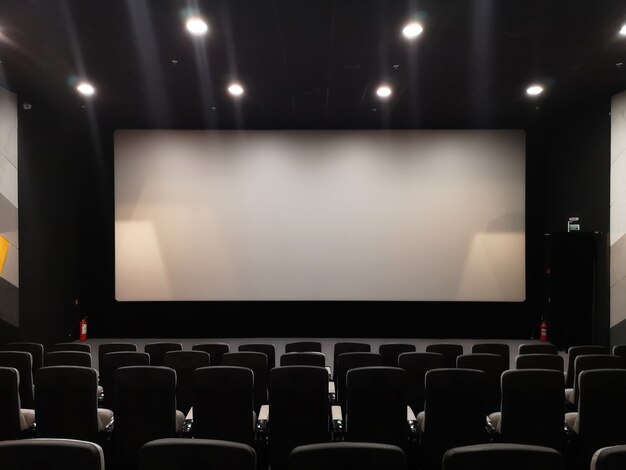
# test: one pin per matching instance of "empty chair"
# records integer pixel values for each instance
(346, 455)
(449, 351)
(105, 348)
(303, 359)
(67, 358)
(51, 454)
(66, 403)
(303, 346)
(537, 348)
(500, 456)
(145, 409)
(268, 349)
(298, 410)
(390, 352)
(185, 363)
(500, 349)
(493, 365)
(168, 454)
(454, 412)
(416, 364)
(609, 458)
(158, 350)
(348, 361)
(257, 362)
(80, 347)
(21, 361)
(113, 361)
(376, 405)
(573, 353)
(591, 362)
(601, 414)
(539, 361)
(347, 347)
(215, 350)
(13, 419)
(223, 404)
(532, 408)
(35, 350)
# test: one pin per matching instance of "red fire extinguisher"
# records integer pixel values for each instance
(83, 329)
(543, 331)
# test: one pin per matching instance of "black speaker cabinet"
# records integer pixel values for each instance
(576, 288)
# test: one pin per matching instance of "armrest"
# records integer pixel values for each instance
(570, 425)
(411, 422)
(337, 422)
(332, 393)
(492, 432)
(330, 372)
(262, 422)
(187, 423)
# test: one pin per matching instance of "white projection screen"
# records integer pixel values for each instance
(320, 215)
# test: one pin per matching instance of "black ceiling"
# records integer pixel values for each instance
(312, 63)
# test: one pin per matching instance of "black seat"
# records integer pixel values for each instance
(591, 362)
(80, 347)
(67, 358)
(268, 349)
(390, 352)
(113, 361)
(215, 350)
(105, 348)
(540, 361)
(257, 362)
(13, 420)
(573, 353)
(347, 347)
(158, 350)
(493, 365)
(303, 346)
(348, 361)
(50, 454)
(35, 350)
(537, 348)
(609, 458)
(223, 404)
(169, 454)
(316, 359)
(21, 361)
(347, 455)
(503, 456)
(500, 349)
(185, 363)
(449, 351)
(416, 364)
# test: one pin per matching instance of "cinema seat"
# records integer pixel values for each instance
(51, 454)
(347, 455)
(14, 421)
(503, 456)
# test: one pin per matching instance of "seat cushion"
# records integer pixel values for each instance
(496, 419)
(27, 418)
(180, 418)
(104, 418)
(569, 395)
(571, 419)
(420, 420)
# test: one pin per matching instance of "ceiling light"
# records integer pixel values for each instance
(85, 88)
(534, 90)
(196, 26)
(384, 91)
(235, 89)
(623, 30)
(412, 30)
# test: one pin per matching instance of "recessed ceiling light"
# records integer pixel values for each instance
(412, 30)
(235, 89)
(623, 30)
(85, 88)
(534, 90)
(196, 26)
(384, 91)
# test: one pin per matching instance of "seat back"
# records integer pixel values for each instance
(537, 348)
(500, 456)
(454, 412)
(376, 405)
(500, 349)
(215, 350)
(67, 358)
(66, 404)
(23, 362)
(347, 347)
(416, 364)
(113, 361)
(592, 362)
(298, 410)
(223, 403)
(449, 351)
(268, 349)
(185, 363)
(346, 455)
(303, 346)
(167, 454)
(609, 458)
(9, 404)
(80, 347)
(532, 407)
(493, 365)
(145, 409)
(348, 361)
(51, 454)
(35, 350)
(573, 353)
(390, 352)
(257, 362)
(106, 348)
(316, 359)
(540, 361)
(158, 350)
